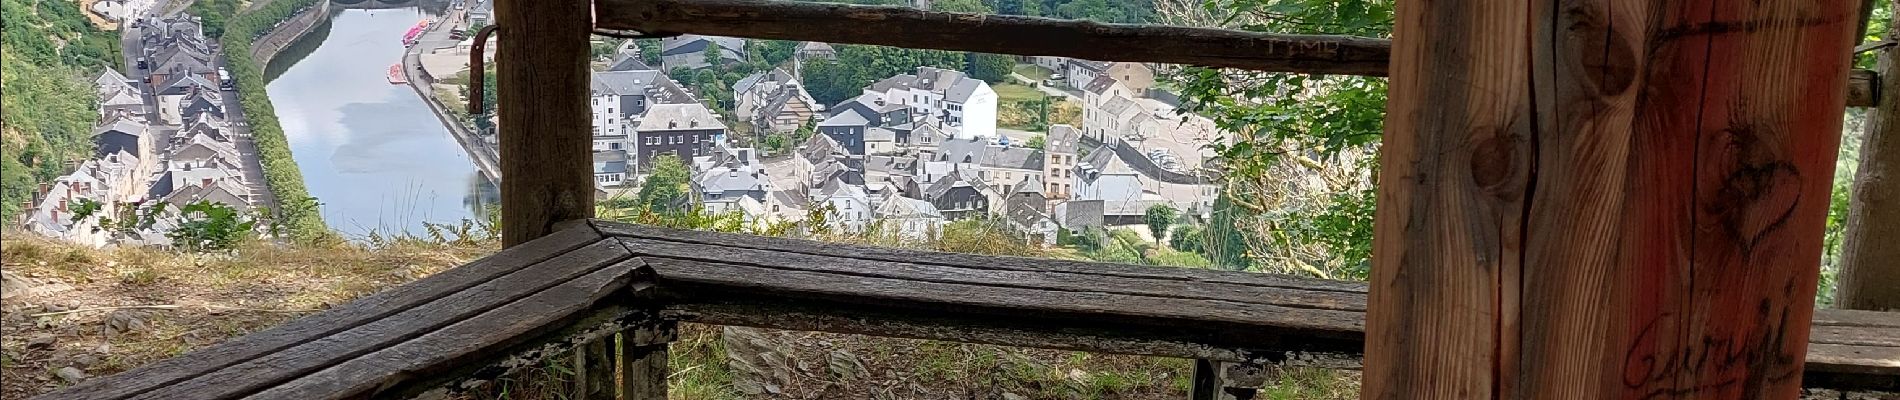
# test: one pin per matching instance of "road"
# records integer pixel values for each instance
(239, 126)
(486, 158)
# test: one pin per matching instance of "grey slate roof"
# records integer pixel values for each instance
(847, 117)
(623, 83)
(690, 116)
(1100, 84)
(689, 44)
(610, 162)
(1061, 139)
(963, 90)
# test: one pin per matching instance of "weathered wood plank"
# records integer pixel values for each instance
(1016, 278)
(909, 27)
(1447, 242)
(477, 339)
(643, 372)
(369, 308)
(836, 287)
(1002, 34)
(1857, 336)
(1764, 142)
(1831, 317)
(1680, 155)
(969, 261)
(594, 370)
(545, 132)
(283, 365)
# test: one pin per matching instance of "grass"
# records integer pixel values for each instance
(1035, 72)
(1010, 92)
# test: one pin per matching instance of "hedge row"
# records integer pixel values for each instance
(297, 210)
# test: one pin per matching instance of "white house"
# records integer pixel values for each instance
(965, 107)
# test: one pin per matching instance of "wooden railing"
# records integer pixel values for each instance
(569, 288)
(576, 289)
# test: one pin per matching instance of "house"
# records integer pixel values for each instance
(121, 10)
(1052, 63)
(722, 187)
(773, 102)
(850, 208)
(173, 95)
(124, 135)
(689, 51)
(1080, 73)
(1091, 184)
(1059, 154)
(890, 174)
(1111, 111)
(908, 218)
(959, 195)
(1139, 77)
(51, 211)
(228, 192)
(124, 175)
(1026, 210)
(128, 102)
(731, 179)
(619, 99)
(610, 168)
(963, 106)
(847, 128)
(684, 130)
(815, 50)
(111, 81)
(1077, 215)
(810, 155)
(615, 96)
(204, 154)
(481, 12)
(222, 185)
(627, 58)
(998, 165)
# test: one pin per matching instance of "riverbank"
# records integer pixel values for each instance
(296, 210)
(266, 47)
(435, 37)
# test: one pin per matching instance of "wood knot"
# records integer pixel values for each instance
(1494, 161)
(1607, 61)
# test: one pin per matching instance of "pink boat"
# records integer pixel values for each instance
(395, 74)
(409, 39)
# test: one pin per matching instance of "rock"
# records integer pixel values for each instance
(773, 389)
(1013, 396)
(104, 348)
(43, 340)
(125, 321)
(70, 374)
(844, 365)
(54, 307)
(85, 360)
(11, 285)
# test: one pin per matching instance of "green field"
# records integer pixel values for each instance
(1034, 72)
(1010, 92)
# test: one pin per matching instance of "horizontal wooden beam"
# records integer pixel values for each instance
(1001, 34)
(1035, 36)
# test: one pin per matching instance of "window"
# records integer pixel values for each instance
(610, 109)
(613, 146)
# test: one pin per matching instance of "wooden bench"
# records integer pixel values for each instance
(587, 282)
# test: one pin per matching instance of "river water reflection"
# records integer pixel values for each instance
(370, 151)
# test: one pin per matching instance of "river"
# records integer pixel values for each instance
(371, 152)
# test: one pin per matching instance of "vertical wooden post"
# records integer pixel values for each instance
(594, 370)
(545, 128)
(1870, 263)
(1604, 198)
(643, 372)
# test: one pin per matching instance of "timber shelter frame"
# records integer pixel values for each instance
(1579, 199)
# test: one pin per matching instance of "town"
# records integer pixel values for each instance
(170, 141)
(908, 154)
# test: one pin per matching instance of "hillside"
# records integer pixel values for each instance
(48, 54)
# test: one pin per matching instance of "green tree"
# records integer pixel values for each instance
(649, 51)
(831, 82)
(665, 187)
(964, 6)
(1159, 217)
(992, 68)
(602, 49)
(208, 226)
(1037, 142)
(714, 59)
(1188, 238)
